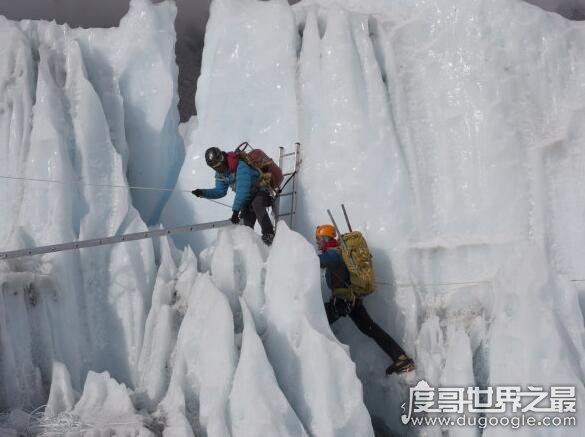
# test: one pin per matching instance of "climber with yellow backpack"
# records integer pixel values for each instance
(349, 274)
(253, 176)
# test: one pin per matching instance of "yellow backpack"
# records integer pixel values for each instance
(358, 260)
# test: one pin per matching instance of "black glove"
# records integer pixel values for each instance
(197, 192)
(235, 217)
(268, 200)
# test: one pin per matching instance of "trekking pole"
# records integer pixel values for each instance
(342, 240)
(346, 219)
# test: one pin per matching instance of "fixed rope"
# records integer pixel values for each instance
(443, 284)
(434, 284)
(87, 184)
(161, 232)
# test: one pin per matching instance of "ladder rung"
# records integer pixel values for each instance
(287, 194)
(285, 215)
(289, 154)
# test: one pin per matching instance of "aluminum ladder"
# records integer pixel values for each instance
(110, 240)
(287, 199)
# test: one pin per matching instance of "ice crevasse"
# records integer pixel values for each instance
(452, 131)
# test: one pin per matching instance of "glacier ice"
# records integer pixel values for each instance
(452, 131)
(84, 309)
(255, 384)
(62, 395)
(204, 359)
(306, 356)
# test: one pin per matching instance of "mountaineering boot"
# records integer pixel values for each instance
(267, 229)
(402, 365)
(267, 238)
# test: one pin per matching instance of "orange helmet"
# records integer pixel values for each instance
(325, 231)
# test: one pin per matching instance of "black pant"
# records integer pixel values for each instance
(256, 210)
(337, 308)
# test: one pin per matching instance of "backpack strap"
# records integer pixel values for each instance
(264, 178)
(346, 293)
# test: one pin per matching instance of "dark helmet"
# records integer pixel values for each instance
(214, 157)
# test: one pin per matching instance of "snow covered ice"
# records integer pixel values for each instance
(452, 130)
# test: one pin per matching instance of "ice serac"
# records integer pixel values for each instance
(124, 301)
(237, 268)
(21, 376)
(458, 372)
(61, 118)
(159, 331)
(223, 267)
(61, 396)
(486, 138)
(203, 363)
(257, 405)
(16, 107)
(134, 71)
(247, 92)
(52, 305)
(313, 368)
(105, 407)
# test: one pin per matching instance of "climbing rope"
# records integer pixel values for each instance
(434, 284)
(443, 284)
(86, 184)
(131, 187)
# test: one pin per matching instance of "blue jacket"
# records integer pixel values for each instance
(336, 273)
(242, 182)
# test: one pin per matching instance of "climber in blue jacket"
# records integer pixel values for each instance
(251, 200)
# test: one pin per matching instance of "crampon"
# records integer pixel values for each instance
(401, 365)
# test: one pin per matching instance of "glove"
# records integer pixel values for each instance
(235, 217)
(197, 192)
(268, 200)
